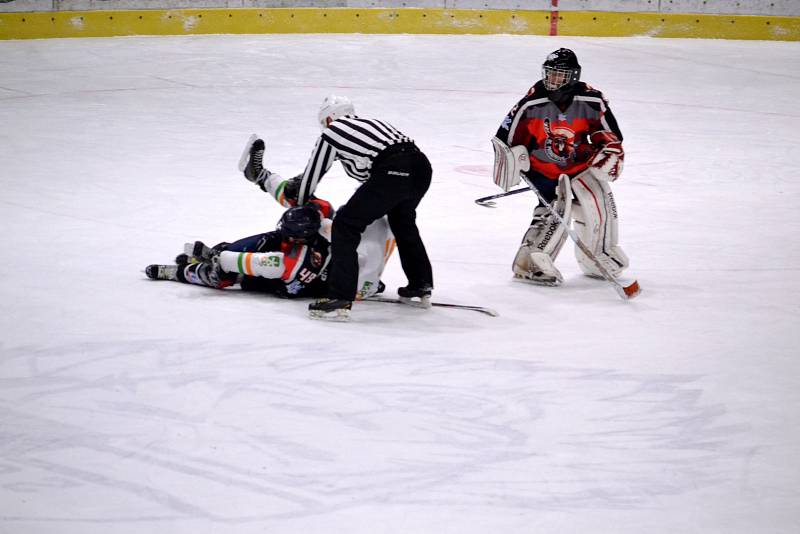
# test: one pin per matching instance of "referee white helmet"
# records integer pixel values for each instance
(334, 107)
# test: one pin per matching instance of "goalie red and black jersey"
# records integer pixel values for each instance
(558, 140)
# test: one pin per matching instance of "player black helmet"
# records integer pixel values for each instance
(300, 223)
(560, 69)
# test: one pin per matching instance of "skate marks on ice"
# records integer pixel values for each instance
(158, 430)
(482, 171)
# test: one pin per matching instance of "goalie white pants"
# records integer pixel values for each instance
(593, 213)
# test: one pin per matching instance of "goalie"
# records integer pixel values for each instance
(564, 138)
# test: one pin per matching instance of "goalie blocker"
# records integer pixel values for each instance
(508, 163)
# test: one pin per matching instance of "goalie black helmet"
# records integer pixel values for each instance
(560, 69)
(300, 223)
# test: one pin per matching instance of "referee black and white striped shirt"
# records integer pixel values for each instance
(355, 142)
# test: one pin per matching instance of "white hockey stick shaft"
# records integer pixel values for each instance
(626, 292)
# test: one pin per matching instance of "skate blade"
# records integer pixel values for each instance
(417, 302)
(338, 316)
(246, 152)
(554, 282)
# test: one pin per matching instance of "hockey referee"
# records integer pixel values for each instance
(395, 175)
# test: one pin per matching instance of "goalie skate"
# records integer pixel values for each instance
(162, 272)
(539, 279)
(540, 270)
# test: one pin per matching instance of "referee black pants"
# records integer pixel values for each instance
(399, 178)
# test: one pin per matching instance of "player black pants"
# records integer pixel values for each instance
(399, 178)
(546, 186)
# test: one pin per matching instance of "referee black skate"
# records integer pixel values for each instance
(395, 175)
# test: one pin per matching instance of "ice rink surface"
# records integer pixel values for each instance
(131, 406)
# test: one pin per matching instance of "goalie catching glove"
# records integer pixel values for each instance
(609, 158)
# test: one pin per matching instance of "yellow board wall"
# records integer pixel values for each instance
(382, 21)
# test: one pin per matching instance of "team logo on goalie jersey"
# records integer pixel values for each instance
(559, 145)
(316, 259)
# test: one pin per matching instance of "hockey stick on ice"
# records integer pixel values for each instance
(479, 309)
(626, 292)
(486, 201)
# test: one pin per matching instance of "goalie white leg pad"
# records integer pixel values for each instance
(263, 264)
(508, 163)
(376, 246)
(596, 221)
(544, 240)
(545, 234)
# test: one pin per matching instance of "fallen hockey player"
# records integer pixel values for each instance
(290, 262)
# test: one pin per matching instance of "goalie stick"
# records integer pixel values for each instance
(625, 292)
(486, 201)
(479, 309)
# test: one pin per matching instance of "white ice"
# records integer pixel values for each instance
(132, 406)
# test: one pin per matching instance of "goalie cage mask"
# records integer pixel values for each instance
(300, 223)
(560, 70)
